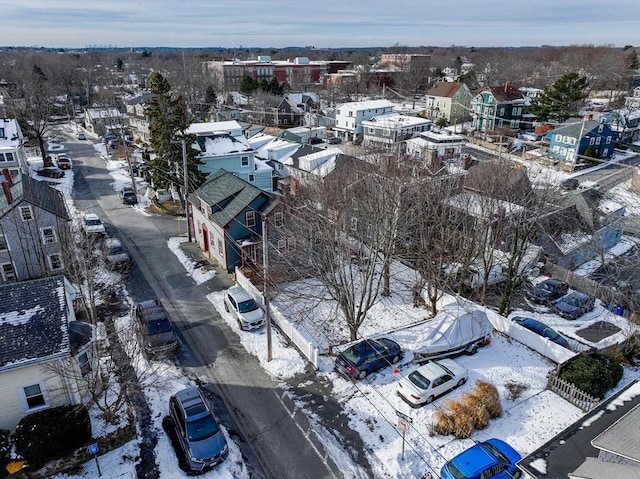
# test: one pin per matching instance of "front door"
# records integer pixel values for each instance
(205, 239)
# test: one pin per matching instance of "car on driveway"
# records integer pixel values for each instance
(434, 379)
(92, 225)
(51, 172)
(367, 356)
(541, 329)
(245, 310)
(493, 458)
(197, 429)
(128, 196)
(573, 305)
(547, 290)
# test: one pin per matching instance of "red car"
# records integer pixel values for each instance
(63, 162)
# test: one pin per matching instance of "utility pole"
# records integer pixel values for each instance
(265, 284)
(185, 173)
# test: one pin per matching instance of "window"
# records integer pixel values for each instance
(608, 140)
(605, 153)
(592, 141)
(26, 213)
(244, 161)
(558, 137)
(84, 363)
(252, 178)
(598, 141)
(278, 219)
(8, 272)
(502, 111)
(49, 235)
(220, 247)
(1, 157)
(55, 261)
(34, 397)
(3, 243)
(282, 244)
(291, 244)
(9, 157)
(600, 128)
(250, 219)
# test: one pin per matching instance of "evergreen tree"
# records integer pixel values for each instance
(248, 86)
(167, 125)
(632, 62)
(562, 100)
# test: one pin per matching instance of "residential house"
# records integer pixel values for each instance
(602, 444)
(448, 100)
(304, 134)
(101, 121)
(577, 139)
(226, 212)
(498, 107)
(349, 117)
(633, 101)
(137, 116)
(33, 229)
(625, 122)
(435, 143)
(310, 164)
(44, 352)
(222, 145)
(390, 129)
(12, 154)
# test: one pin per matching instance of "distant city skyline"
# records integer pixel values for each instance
(326, 24)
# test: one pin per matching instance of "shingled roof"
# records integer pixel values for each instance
(38, 193)
(33, 322)
(505, 93)
(444, 89)
(227, 194)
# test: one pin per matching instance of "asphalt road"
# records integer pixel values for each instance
(272, 443)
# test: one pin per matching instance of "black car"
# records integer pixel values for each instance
(367, 356)
(541, 329)
(334, 141)
(573, 305)
(51, 172)
(547, 290)
(569, 184)
(128, 196)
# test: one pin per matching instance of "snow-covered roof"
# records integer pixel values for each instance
(482, 206)
(109, 112)
(366, 105)
(395, 120)
(220, 145)
(214, 127)
(11, 137)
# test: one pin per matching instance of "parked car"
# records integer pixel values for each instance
(547, 290)
(573, 305)
(473, 277)
(246, 311)
(157, 335)
(314, 140)
(115, 255)
(569, 184)
(197, 429)
(92, 224)
(81, 136)
(434, 379)
(367, 356)
(128, 196)
(334, 141)
(63, 162)
(493, 458)
(541, 329)
(108, 137)
(51, 172)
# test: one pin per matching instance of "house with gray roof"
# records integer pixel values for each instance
(578, 139)
(34, 225)
(44, 352)
(12, 153)
(226, 214)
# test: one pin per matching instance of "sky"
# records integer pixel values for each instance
(527, 423)
(329, 24)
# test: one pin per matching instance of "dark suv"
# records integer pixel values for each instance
(128, 196)
(157, 335)
(198, 431)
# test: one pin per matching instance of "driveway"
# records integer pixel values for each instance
(269, 433)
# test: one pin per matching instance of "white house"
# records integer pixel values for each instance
(435, 144)
(12, 154)
(349, 117)
(391, 128)
(100, 121)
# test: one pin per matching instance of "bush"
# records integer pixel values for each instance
(594, 374)
(52, 433)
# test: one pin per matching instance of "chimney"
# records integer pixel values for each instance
(7, 176)
(7, 191)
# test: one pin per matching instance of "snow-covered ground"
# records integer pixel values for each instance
(527, 422)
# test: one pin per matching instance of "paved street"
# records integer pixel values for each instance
(272, 442)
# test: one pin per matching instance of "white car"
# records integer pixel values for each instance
(426, 383)
(92, 225)
(245, 310)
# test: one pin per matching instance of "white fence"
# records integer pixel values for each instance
(305, 345)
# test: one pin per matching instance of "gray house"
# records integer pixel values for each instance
(33, 228)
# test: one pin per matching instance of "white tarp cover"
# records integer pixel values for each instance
(452, 327)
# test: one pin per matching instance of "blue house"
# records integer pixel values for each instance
(498, 107)
(222, 145)
(576, 139)
(226, 212)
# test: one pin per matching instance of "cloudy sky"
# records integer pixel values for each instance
(325, 23)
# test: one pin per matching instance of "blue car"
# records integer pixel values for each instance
(490, 459)
(541, 329)
(367, 356)
(573, 305)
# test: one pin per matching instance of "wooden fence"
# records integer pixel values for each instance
(571, 393)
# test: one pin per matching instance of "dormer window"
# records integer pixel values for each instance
(244, 161)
